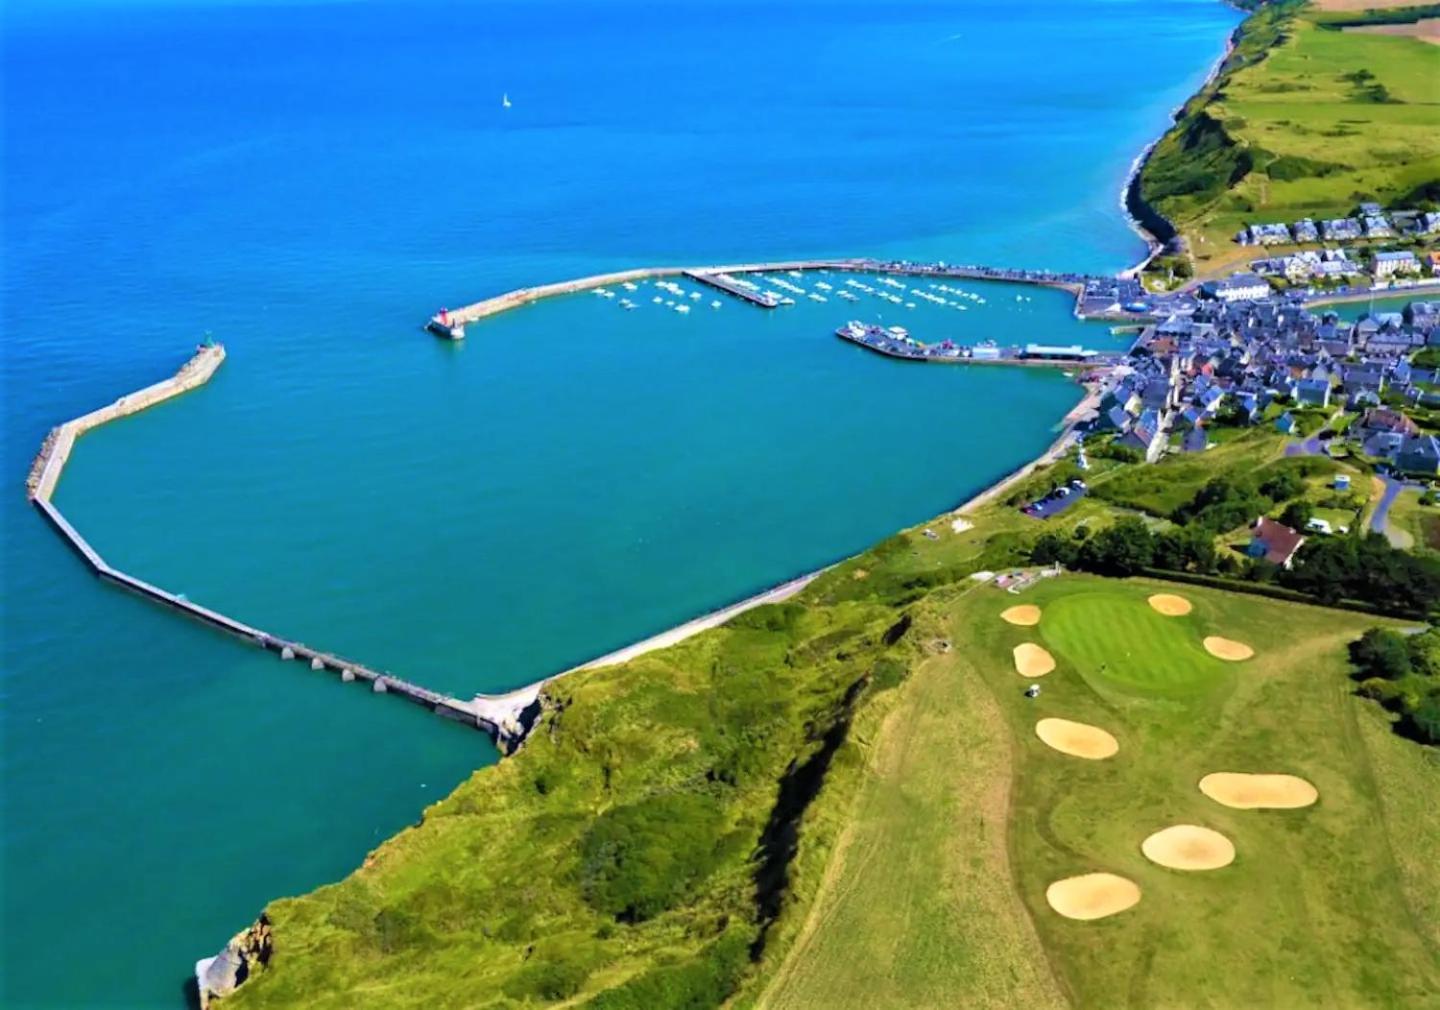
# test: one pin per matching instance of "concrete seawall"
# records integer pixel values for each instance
(45, 473)
(507, 718)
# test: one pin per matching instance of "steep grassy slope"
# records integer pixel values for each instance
(1305, 119)
(643, 849)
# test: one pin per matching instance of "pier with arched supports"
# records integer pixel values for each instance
(506, 718)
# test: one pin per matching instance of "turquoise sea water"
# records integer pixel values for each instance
(307, 181)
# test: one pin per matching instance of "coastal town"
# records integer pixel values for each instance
(1394, 247)
(1372, 385)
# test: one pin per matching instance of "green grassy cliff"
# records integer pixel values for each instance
(641, 850)
(1305, 118)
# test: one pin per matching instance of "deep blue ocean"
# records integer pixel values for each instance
(306, 182)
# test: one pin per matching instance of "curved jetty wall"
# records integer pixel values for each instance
(1074, 283)
(507, 718)
(524, 296)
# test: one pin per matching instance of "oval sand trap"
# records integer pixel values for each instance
(1032, 661)
(1189, 847)
(1244, 791)
(1224, 648)
(1026, 615)
(1171, 605)
(1092, 896)
(1077, 739)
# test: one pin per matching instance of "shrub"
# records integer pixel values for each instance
(699, 984)
(550, 978)
(1381, 652)
(640, 860)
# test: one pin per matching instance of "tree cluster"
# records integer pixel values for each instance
(1403, 674)
(1365, 568)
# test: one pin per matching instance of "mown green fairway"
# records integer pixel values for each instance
(936, 894)
(1110, 640)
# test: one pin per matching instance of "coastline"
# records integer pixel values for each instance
(1132, 203)
(527, 697)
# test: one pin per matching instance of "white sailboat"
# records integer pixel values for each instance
(505, 101)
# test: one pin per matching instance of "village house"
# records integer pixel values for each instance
(1313, 392)
(1341, 229)
(1273, 541)
(1384, 430)
(1377, 227)
(1147, 435)
(1419, 454)
(1388, 264)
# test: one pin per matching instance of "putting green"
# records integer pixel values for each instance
(1118, 638)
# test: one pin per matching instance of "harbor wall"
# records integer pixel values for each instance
(506, 722)
(524, 296)
(55, 453)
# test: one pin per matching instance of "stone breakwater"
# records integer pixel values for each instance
(56, 449)
(507, 718)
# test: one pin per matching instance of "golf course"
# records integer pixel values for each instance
(1060, 850)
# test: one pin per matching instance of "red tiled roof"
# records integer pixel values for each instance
(1281, 542)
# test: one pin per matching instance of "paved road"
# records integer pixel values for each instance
(1379, 522)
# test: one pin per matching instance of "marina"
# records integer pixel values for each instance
(1096, 296)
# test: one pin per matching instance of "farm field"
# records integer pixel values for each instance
(1323, 905)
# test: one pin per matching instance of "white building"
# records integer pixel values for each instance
(1387, 264)
(1240, 288)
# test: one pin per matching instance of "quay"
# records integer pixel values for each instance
(727, 284)
(506, 718)
(897, 343)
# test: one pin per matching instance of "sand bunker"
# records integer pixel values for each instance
(1026, 615)
(1077, 739)
(1032, 661)
(1224, 648)
(1092, 896)
(1171, 605)
(1189, 847)
(1258, 792)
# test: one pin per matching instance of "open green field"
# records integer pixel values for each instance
(1414, 525)
(1308, 121)
(1328, 906)
(1163, 488)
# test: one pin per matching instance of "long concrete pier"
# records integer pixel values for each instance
(507, 718)
(726, 283)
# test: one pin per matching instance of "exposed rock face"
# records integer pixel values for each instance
(247, 952)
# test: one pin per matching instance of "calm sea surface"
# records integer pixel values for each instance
(306, 182)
